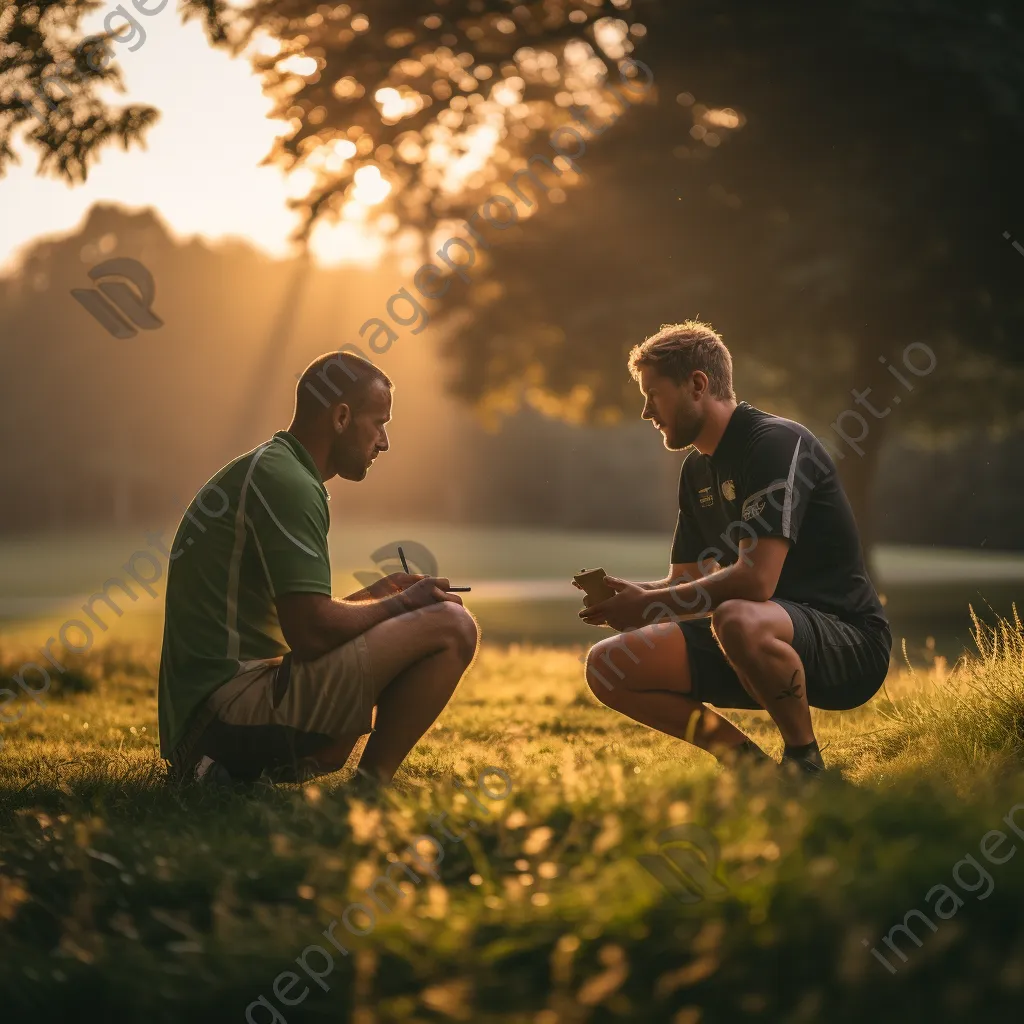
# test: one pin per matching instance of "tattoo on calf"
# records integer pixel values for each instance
(794, 689)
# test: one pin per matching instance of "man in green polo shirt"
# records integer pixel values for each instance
(261, 670)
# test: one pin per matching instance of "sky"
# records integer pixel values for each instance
(201, 169)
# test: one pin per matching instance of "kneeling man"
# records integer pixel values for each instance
(769, 597)
(261, 669)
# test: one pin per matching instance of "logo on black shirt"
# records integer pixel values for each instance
(729, 490)
(707, 499)
(753, 508)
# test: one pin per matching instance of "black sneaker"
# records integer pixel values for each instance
(212, 774)
(806, 763)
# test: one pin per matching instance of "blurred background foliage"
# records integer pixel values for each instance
(826, 186)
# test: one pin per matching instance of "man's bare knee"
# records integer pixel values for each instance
(604, 686)
(600, 685)
(468, 633)
(459, 628)
(602, 671)
(740, 629)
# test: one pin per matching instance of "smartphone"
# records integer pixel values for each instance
(593, 585)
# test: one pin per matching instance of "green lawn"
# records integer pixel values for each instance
(138, 902)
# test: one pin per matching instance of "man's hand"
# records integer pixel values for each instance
(624, 610)
(313, 624)
(388, 586)
(425, 591)
(393, 584)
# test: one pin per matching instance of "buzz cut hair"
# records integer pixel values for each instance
(337, 377)
(679, 349)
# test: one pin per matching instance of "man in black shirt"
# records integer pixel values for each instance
(768, 604)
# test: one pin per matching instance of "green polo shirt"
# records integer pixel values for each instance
(256, 530)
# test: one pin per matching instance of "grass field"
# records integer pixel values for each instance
(122, 899)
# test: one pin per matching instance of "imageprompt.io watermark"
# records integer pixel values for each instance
(686, 863)
(96, 52)
(946, 901)
(1013, 241)
(121, 310)
(919, 360)
(387, 559)
(72, 627)
(360, 918)
(432, 281)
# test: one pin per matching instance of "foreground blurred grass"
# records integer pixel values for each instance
(120, 895)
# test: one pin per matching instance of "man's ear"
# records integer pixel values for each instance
(341, 415)
(699, 383)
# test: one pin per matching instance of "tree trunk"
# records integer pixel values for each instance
(866, 424)
(857, 473)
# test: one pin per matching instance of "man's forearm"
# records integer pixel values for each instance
(342, 621)
(377, 590)
(655, 584)
(669, 581)
(695, 599)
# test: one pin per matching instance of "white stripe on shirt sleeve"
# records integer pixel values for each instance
(787, 505)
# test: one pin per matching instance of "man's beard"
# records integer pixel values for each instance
(684, 432)
(350, 465)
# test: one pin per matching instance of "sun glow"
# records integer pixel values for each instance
(202, 169)
(371, 187)
(347, 241)
(395, 104)
(296, 64)
(267, 46)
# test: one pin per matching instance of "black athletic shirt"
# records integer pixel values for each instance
(771, 477)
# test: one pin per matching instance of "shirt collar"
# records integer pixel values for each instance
(298, 449)
(733, 433)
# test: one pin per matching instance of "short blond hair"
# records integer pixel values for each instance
(679, 349)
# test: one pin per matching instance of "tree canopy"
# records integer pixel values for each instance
(409, 107)
(827, 185)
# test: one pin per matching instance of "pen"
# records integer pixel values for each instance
(405, 566)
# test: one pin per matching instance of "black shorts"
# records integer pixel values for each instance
(845, 664)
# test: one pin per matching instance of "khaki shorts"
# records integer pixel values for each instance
(275, 714)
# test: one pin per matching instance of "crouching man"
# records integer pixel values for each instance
(771, 599)
(261, 669)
